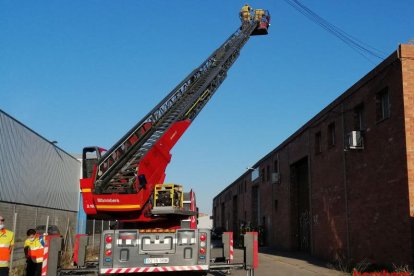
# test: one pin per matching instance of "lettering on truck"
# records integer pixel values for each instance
(108, 200)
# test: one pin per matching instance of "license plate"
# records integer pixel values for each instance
(156, 260)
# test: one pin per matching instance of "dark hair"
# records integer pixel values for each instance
(31, 232)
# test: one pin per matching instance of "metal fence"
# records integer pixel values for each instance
(19, 218)
(94, 228)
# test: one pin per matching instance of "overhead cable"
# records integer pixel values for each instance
(362, 48)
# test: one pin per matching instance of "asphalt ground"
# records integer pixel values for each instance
(272, 263)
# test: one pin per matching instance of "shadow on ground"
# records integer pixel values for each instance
(296, 255)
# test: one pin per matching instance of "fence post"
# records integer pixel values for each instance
(37, 211)
(93, 234)
(228, 249)
(79, 252)
(66, 237)
(14, 232)
(47, 225)
(251, 252)
(53, 245)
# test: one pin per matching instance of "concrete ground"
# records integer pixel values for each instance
(273, 263)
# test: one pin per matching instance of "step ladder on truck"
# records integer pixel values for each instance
(157, 229)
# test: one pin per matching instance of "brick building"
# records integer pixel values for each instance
(342, 186)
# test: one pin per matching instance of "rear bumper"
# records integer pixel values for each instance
(154, 269)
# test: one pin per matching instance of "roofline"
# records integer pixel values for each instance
(231, 185)
(391, 59)
(40, 136)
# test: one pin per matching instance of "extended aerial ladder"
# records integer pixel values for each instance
(119, 183)
(159, 232)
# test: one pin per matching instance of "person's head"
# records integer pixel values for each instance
(31, 233)
(1, 222)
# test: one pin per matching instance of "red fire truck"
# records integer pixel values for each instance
(157, 229)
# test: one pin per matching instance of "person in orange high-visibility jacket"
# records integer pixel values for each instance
(6, 246)
(33, 249)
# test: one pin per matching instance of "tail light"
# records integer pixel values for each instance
(108, 246)
(203, 246)
(108, 239)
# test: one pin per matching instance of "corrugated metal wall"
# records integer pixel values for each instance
(33, 171)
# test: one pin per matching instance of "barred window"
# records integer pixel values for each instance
(383, 104)
(318, 145)
(263, 175)
(331, 135)
(268, 173)
(276, 165)
(359, 117)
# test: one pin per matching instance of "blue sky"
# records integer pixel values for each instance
(84, 72)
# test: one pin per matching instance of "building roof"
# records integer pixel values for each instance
(394, 57)
(33, 170)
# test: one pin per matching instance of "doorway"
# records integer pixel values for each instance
(223, 216)
(235, 218)
(255, 206)
(300, 205)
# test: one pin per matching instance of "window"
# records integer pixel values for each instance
(318, 146)
(268, 173)
(331, 135)
(276, 166)
(383, 104)
(359, 117)
(263, 175)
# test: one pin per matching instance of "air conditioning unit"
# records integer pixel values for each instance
(355, 140)
(275, 177)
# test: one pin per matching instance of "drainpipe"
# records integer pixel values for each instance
(345, 186)
(272, 209)
(272, 205)
(312, 242)
(289, 191)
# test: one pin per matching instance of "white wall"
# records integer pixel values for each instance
(204, 221)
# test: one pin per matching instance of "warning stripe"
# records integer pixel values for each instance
(153, 269)
(45, 257)
(46, 253)
(231, 249)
